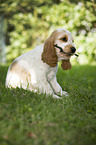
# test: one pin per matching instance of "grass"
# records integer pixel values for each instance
(31, 119)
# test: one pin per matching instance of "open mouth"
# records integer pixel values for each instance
(61, 50)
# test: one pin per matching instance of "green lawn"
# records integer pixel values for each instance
(31, 119)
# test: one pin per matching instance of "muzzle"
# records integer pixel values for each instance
(61, 50)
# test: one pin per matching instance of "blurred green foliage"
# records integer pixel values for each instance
(29, 22)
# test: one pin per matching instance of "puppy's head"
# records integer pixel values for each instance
(52, 54)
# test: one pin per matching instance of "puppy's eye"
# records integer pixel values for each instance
(64, 39)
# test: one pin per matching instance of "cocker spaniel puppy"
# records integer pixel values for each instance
(36, 69)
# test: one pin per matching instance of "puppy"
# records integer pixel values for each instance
(36, 69)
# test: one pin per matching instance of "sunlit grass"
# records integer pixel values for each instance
(31, 119)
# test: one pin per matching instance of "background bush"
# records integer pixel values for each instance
(29, 23)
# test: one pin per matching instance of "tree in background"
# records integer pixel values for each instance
(29, 22)
(2, 41)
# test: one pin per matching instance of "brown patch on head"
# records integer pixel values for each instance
(66, 64)
(49, 53)
(20, 71)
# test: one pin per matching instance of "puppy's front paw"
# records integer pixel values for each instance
(64, 93)
(55, 96)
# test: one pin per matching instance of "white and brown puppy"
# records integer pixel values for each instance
(36, 69)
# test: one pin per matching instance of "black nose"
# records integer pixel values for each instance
(73, 49)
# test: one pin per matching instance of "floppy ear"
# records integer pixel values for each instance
(49, 53)
(66, 64)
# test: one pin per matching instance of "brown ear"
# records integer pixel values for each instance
(49, 54)
(66, 64)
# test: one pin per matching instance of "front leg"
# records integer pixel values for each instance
(57, 88)
(45, 87)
